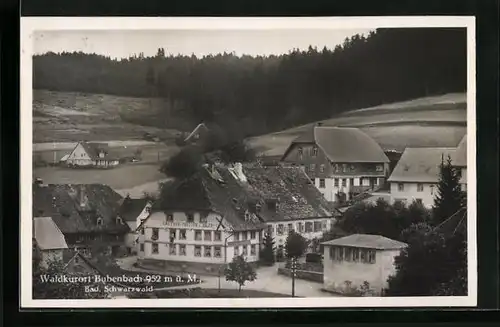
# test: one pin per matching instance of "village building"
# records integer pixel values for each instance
(352, 260)
(460, 162)
(198, 133)
(342, 162)
(94, 155)
(86, 214)
(224, 211)
(416, 175)
(49, 240)
(133, 212)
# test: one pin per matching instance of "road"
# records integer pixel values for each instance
(267, 280)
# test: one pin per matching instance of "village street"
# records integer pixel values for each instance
(267, 280)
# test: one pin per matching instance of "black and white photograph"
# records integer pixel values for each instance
(248, 162)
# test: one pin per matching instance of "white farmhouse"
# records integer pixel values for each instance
(86, 154)
(416, 174)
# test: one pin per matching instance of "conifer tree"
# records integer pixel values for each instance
(450, 197)
(267, 253)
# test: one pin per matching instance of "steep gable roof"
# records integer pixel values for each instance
(47, 235)
(343, 144)
(377, 242)
(420, 165)
(218, 189)
(63, 202)
(460, 159)
(132, 208)
(94, 148)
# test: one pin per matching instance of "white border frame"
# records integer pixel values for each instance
(31, 24)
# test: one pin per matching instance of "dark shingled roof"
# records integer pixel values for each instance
(217, 189)
(344, 144)
(377, 242)
(131, 208)
(62, 203)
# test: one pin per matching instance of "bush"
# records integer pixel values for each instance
(184, 164)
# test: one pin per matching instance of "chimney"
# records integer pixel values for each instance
(82, 199)
(238, 169)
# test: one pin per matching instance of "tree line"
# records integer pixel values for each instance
(268, 93)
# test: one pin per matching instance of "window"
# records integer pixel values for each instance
(155, 248)
(323, 225)
(351, 181)
(355, 255)
(182, 249)
(217, 253)
(432, 189)
(270, 229)
(309, 227)
(217, 236)
(336, 182)
(252, 235)
(301, 227)
(190, 218)
(170, 217)
(141, 247)
(401, 187)
(419, 201)
(197, 235)
(171, 235)
(244, 236)
(182, 234)
(338, 253)
(236, 236)
(280, 229)
(197, 251)
(314, 151)
(322, 168)
(290, 227)
(344, 168)
(99, 221)
(312, 167)
(347, 254)
(245, 250)
(142, 231)
(203, 218)
(207, 235)
(337, 168)
(208, 251)
(420, 187)
(322, 183)
(172, 249)
(363, 255)
(236, 251)
(154, 235)
(300, 151)
(253, 249)
(379, 168)
(371, 256)
(344, 182)
(119, 221)
(352, 167)
(317, 226)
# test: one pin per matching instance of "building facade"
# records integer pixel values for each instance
(357, 259)
(416, 176)
(341, 162)
(133, 212)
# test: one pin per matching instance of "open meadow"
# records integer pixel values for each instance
(433, 121)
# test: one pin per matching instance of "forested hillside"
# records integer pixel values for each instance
(271, 93)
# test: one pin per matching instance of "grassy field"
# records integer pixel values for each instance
(70, 116)
(433, 121)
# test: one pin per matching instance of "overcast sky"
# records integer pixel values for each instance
(122, 44)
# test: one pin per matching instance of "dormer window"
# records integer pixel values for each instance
(272, 205)
(258, 207)
(119, 220)
(99, 221)
(190, 218)
(300, 151)
(314, 151)
(380, 168)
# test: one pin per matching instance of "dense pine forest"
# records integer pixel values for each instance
(270, 93)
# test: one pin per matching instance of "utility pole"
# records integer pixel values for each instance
(294, 271)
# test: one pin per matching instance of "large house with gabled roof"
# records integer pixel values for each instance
(416, 175)
(224, 211)
(95, 155)
(86, 214)
(341, 161)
